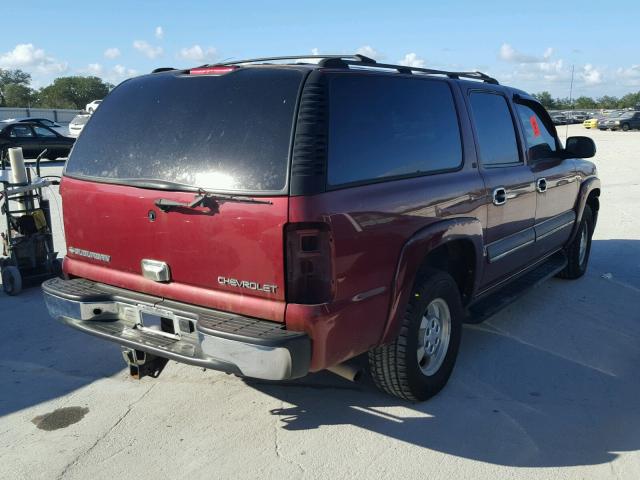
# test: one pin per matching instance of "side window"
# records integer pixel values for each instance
(21, 131)
(495, 129)
(382, 127)
(539, 134)
(44, 132)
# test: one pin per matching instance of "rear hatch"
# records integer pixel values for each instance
(216, 144)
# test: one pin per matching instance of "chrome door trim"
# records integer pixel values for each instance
(503, 194)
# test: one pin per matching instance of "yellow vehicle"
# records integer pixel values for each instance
(590, 123)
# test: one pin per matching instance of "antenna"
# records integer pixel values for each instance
(573, 109)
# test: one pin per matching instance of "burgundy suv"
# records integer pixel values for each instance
(271, 218)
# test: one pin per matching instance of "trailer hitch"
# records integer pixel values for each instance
(142, 364)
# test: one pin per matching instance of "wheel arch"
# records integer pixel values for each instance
(589, 194)
(454, 245)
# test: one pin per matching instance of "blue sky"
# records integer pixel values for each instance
(530, 45)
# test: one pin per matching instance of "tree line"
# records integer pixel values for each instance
(65, 92)
(607, 102)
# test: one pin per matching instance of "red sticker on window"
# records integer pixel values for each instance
(534, 124)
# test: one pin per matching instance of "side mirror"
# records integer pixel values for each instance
(580, 147)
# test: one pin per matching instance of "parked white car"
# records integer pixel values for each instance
(77, 124)
(93, 106)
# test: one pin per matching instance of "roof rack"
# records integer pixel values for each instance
(357, 57)
(357, 60)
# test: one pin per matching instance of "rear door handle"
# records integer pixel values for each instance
(541, 185)
(499, 196)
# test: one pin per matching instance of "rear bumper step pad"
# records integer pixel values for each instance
(221, 341)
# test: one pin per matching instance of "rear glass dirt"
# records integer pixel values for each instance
(229, 133)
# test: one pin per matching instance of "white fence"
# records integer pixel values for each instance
(57, 115)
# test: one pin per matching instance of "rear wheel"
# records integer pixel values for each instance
(417, 365)
(625, 127)
(579, 249)
(11, 280)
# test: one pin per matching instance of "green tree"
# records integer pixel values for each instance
(16, 95)
(607, 101)
(546, 100)
(9, 79)
(584, 103)
(630, 100)
(563, 103)
(72, 92)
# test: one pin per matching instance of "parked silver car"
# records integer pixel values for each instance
(77, 124)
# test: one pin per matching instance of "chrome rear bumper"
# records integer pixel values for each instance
(207, 338)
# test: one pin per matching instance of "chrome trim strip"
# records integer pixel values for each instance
(554, 230)
(508, 252)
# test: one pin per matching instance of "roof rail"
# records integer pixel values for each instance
(357, 57)
(357, 60)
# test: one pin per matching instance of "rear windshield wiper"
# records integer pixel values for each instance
(202, 195)
(201, 200)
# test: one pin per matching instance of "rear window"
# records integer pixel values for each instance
(384, 127)
(228, 133)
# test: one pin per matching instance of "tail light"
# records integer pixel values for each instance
(309, 250)
(220, 70)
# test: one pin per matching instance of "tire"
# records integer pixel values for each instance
(625, 127)
(578, 258)
(396, 368)
(11, 280)
(90, 110)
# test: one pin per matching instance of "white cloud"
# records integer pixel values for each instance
(315, 51)
(159, 33)
(147, 49)
(197, 54)
(27, 56)
(630, 76)
(368, 51)
(590, 75)
(112, 75)
(112, 53)
(510, 54)
(412, 60)
(121, 72)
(95, 69)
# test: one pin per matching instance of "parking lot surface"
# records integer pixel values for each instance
(547, 388)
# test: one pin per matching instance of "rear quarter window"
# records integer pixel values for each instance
(388, 127)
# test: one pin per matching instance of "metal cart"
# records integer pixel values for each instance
(28, 256)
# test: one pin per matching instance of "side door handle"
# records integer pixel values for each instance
(541, 185)
(499, 196)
